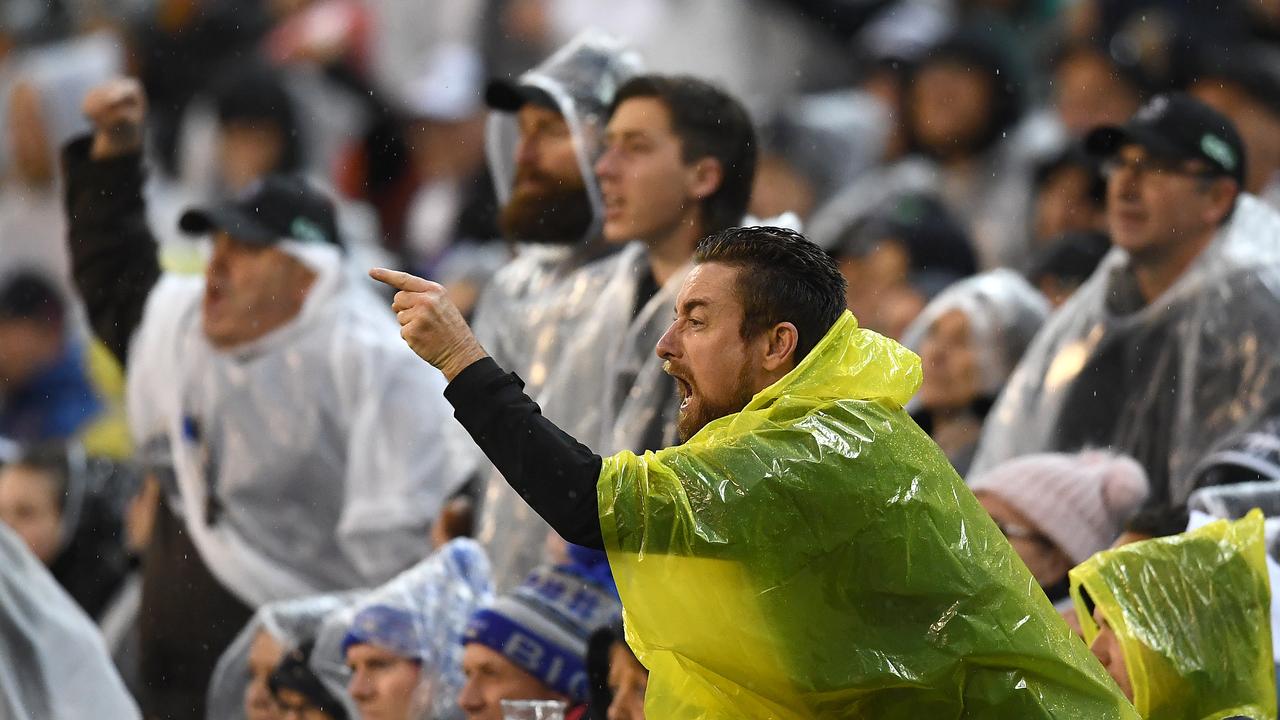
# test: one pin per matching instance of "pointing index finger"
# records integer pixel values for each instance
(401, 280)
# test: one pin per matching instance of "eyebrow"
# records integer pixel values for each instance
(693, 304)
(611, 136)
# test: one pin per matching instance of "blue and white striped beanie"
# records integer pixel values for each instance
(543, 627)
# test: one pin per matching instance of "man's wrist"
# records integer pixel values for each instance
(461, 360)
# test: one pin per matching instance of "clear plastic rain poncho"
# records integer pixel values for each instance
(291, 622)
(54, 663)
(1164, 382)
(421, 614)
(816, 556)
(1004, 313)
(311, 460)
(539, 302)
(581, 78)
(1192, 614)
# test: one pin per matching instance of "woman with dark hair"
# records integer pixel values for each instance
(618, 680)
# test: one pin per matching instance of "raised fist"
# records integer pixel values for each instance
(117, 109)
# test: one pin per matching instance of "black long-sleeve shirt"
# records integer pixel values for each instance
(552, 471)
(113, 254)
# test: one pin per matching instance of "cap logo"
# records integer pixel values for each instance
(1218, 149)
(1154, 109)
(306, 231)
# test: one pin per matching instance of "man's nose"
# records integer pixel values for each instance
(607, 164)
(667, 346)
(470, 699)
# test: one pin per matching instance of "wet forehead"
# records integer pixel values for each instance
(640, 116)
(712, 285)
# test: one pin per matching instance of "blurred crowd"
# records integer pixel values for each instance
(231, 492)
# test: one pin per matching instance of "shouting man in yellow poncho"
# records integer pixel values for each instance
(807, 551)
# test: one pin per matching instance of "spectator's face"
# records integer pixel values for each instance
(28, 141)
(649, 192)
(1091, 93)
(878, 293)
(1063, 204)
(1154, 208)
(1106, 647)
(26, 346)
(294, 705)
(492, 678)
(716, 371)
(548, 198)
(627, 681)
(952, 378)
(950, 108)
(383, 684)
(1259, 129)
(250, 291)
(264, 655)
(29, 505)
(248, 151)
(1047, 563)
(779, 188)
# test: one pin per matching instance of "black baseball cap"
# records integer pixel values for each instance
(1176, 126)
(509, 96)
(275, 208)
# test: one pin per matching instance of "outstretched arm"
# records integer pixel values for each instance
(113, 255)
(551, 470)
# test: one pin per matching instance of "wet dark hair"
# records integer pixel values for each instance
(710, 123)
(28, 295)
(783, 277)
(252, 93)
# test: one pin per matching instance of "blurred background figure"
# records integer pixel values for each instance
(1069, 260)
(240, 688)
(1059, 509)
(1182, 623)
(298, 692)
(61, 647)
(46, 394)
(970, 338)
(618, 680)
(898, 259)
(1070, 196)
(1244, 85)
(71, 517)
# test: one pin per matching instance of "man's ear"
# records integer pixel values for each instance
(706, 175)
(780, 354)
(1223, 194)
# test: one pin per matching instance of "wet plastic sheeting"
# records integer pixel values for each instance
(815, 556)
(1192, 613)
(1165, 382)
(53, 663)
(290, 622)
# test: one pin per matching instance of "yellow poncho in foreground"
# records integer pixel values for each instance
(1193, 615)
(815, 555)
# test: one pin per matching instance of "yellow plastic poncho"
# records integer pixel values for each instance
(1192, 614)
(815, 556)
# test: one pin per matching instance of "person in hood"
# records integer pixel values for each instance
(263, 393)
(402, 648)
(240, 688)
(1170, 345)
(1058, 509)
(970, 338)
(678, 164)
(544, 135)
(749, 556)
(299, 693)
(48, 497)
(1182, 623)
